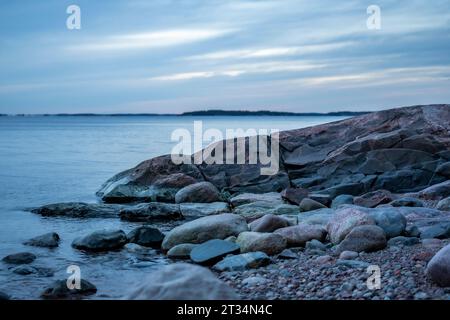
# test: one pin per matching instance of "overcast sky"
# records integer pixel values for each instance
(171, 56)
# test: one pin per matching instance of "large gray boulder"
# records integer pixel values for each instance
(438, 268)
(268, 223)
(182, 281)
(345, 220)
(364, 238)
(203, 229)
(201, 192)
(390, 220)
(269, 243)
(300, 234)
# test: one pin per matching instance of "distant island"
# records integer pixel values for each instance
(211, 112)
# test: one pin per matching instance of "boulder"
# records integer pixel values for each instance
(268, 223)
(79, 210)
(49, 240)
(241, 262)
(390, 220)
(19, 258)
(444, 204)
(102, 240)
(437, 191)
(203, 229)
(245, 198)
(27, 270)
(407, 202)
(364, 238)
(439, 230)
(300, 234)
(255, 210)
(197, 210)
(373, 199)
(348, 255)
(294, 195)
(59, 290)
(151, 212)
(341, 200)
(438, 269)
(181, 251)
(318, 217)
(344, 220)
(308, 204)
(146, 236)
(269, 243)
(200, 192)
(182, 281)
(212, 251)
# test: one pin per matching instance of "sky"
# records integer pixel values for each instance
(171, 56)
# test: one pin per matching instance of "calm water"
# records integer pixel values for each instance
(55, 159)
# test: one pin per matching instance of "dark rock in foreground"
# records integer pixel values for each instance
(103, 240)
(182, 281)
(146, 236)
(59, 290)
(19, 258)
(49, 240)
(212, 251)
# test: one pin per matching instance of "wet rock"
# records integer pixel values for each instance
(268, 223)
(341, 200)
(79, 210)
(181, 251)
(407, 202)
(255, 210)
(182, 281)
(200, 192)
(444, 204)
(348, 255)
(197, 210)
(390, 220)
(146, 236)
(374, 198)
(212, 251)
(102, 240)
(403, 241)
(242, 262)
(345, 220)
(151, 212)
(294, 195)
(300, 234)
(59, 290)
(203, 229)
(269, 243)
(49, 240)
(364, 238)
(19, 258)
(309, 205)
(438, 269)
(245, 198)
(27, 270)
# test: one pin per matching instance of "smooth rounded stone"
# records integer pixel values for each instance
(294, 195)
(315, 245)
(437, 191)
(322, 198)
(4, 296)
(181, 251)
(438, 269)
(212, 251)
(27, 270)
(48, 240)
(444, 204)
(374, 198)
(245, 198)
(243, 261)
(197, 210)
(253, 281)
(412, 231)
(403, 241)
(59, 290)
(102, 240)
(364, 238)
(316, 217)
(203, 229)
(269, 243)
(255, 210)
(79, 210)
(268, 223)
(151, 212)
(352, 264)
(182, 281)
(200, 192)
(287, 254)
(441, 230)
(308, 204)
(390, 220)
(300, 234)
(407, 202)
(344, 220)
(322, 259)
(146, 236)
(348, 255)
(341, 200)
(19, 258)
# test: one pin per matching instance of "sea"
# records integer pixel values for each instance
(49, 159)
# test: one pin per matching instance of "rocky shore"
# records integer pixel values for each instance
(360, 209)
